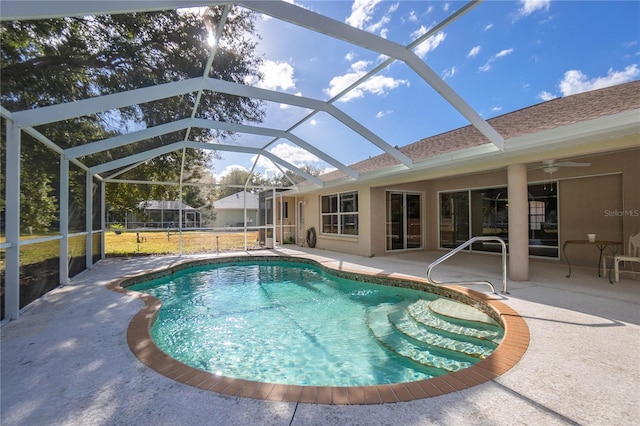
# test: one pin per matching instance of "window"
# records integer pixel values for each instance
(340, 213)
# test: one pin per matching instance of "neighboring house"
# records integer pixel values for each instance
(570, 166)
(164, 214)
(230, 211)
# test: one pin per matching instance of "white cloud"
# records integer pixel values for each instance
(381, 114)
(290, 153)
(575, 81)
(446, 6)
(449, 73)
(504, 53)
(228, 170)
(378, 84)
(474, 52)
(496, 109)
(491, 60)
(527, 7)
(430, 44)
(276, 75)
(546, 96)
(412, 16)
(361, 11)
(488, 27)
(379, 26)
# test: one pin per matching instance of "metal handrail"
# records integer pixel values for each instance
(463, 246)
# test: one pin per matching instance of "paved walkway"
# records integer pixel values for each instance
(66, 360)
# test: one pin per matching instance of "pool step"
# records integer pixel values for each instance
(430, 314)
(389, 337)
(443, 343)
(467, 345)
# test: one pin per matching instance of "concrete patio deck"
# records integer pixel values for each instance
(65, 361)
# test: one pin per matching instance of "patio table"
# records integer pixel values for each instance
(600, 244)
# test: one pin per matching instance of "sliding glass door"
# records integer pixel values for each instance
(454, 218)
(404, 220)
(485, 212)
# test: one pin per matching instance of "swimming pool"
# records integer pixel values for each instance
(290, 323)
(384, 310)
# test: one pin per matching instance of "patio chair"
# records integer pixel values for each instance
(632, 255)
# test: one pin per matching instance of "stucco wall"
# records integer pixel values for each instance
(603, 198)
(361, 244)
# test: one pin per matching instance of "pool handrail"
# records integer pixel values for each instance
(462, 247)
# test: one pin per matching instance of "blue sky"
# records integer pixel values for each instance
(500, 57)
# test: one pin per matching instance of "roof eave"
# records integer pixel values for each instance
(583, 137)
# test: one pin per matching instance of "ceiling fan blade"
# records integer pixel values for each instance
(571, 164)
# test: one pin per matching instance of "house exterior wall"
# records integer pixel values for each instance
(603, 198)
(233, 217)
(360, 244)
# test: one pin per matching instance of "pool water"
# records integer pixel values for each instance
(290, 323)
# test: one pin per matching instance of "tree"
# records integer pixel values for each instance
(52, 61)
(238, 178)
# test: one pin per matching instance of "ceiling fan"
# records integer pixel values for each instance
(552, 166)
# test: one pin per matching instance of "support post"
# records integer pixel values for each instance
(103, 214)
(12, 217)
(518, 222)
(64, 220)
(89, 221)
(273, 215)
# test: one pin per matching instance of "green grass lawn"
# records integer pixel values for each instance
(151, 242)
(156, 242)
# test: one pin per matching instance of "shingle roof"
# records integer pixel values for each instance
(544, 116)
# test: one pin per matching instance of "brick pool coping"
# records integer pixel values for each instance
(503, 358)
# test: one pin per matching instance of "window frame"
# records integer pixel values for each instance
(341, 215)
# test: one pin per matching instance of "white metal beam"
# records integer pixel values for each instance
(257, 151)
(135, 158)
(147, 155)
(265, 131)
(44, 9)
(438, 84)
(129, 138)
(84, 107)
(369, 135)
(314, 104)
(322, 24)
(51, 145)
(126, 139)
(467, 7)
